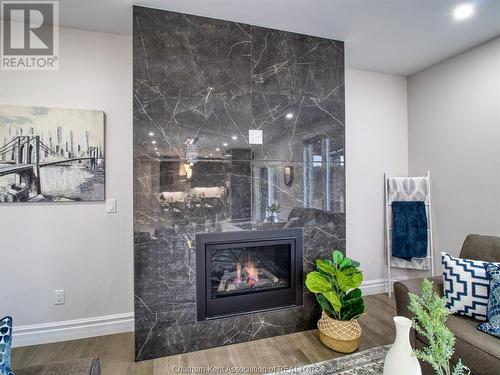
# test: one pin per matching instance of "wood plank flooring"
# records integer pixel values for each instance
(255, 357)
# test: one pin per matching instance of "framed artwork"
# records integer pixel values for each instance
(51, 154)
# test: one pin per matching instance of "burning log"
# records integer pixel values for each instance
(246, 277)
(223, 281)
(268, 274)
(264, 272)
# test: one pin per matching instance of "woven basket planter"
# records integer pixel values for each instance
(338, 335)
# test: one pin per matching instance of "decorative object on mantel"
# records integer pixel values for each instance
(367, 362)
(401, 355)
(430, 317)
(288, 175)
(274, 211)
(51, 154)
(336, 284)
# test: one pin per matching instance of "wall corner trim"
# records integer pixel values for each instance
(72, 329)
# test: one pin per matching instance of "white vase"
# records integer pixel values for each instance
(400, 359)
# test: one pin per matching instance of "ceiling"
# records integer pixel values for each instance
(390, 36)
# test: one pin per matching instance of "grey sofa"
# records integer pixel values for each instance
(89, 366)
(478, 350)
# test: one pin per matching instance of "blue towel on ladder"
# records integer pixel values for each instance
(409, 230)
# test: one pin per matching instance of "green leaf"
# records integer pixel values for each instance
(325, 266)
(355, 264)
(353, 295)
(349, 278)
(334, 300)
(352, 304)
(337, 256)
(317, 283)
(346, 262)
(325, 305)
(353, 310)
(325, 274)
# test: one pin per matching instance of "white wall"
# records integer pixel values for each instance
(454, 131)
(74, 246)
(376, 142)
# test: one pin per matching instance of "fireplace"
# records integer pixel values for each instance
(243, 272)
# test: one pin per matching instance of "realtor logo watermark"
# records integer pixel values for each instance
(29, 35)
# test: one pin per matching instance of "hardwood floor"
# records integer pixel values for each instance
(255, 357)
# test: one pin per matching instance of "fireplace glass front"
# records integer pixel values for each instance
(248, 274)
(249, 268)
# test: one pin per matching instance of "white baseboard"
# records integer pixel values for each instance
(72, 329)
(110, 324)
(376, 286)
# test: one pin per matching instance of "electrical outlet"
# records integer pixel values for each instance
(59, 297)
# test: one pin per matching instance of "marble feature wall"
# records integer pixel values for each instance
(212, 81)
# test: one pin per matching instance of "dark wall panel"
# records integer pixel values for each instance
(212, 81)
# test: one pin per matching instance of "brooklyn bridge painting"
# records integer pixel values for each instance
(51, 154)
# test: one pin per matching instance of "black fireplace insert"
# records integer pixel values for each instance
(248, 271)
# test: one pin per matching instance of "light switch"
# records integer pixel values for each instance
(111, 206)
(255, 137)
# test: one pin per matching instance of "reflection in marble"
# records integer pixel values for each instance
(212, 81)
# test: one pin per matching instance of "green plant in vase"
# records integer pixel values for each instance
(336, 284)
(430, 316)
(273, 211)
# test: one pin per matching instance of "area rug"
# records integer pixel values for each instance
(368, 362)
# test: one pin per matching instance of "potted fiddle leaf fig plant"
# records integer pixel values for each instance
(336, 284)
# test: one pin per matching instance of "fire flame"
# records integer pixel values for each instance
(238, 279)
(253, 275)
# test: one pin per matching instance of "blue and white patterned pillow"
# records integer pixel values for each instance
(466, 286)
(5, 345)
(492, 326)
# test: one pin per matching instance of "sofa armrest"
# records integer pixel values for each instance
(403, 288)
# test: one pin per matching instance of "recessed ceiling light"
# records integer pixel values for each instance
(234, 138)
(289, 115)
(224, 144)
(156, 148)
(151, 134)
(153, 142)
(217, 149)
(463, 11)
